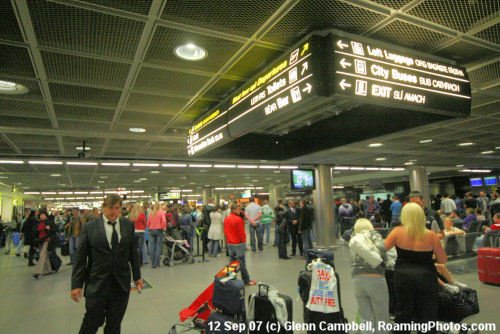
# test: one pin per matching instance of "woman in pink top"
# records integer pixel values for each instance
(157, 224)
(138, 217)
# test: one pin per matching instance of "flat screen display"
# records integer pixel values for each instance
(476, 182)
(303, 179)
(490, 181)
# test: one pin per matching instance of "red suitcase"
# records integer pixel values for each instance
(488, 265)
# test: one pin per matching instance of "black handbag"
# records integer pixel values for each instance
(456, 307)
(55, 261)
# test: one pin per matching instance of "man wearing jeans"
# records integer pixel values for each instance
(266, 219)
(234, 230)
(253, 213)
(74, 233)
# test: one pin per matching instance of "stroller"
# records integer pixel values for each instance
(176, 249)
(193, 317)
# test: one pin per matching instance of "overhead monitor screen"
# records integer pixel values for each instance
(476, 182)
(490, 181)
(302, 179)
(370, 71)
(165, 196)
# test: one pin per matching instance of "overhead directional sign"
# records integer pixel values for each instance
(370, 72)
(287, 83)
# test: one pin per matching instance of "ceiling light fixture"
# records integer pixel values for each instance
(425, 141)
(380, 159)
(247, 166)
(32, 193)
(200, 165)
(116, 164)
(40, 162)
(476, 170)
(191, 52)
(409, 163)
(12, 162)
(74, 163)
(465, 144)
(55, 175)
(12, 88)
(140, 164)
(80, 148)
(460, 166)
(224, 166)
(289, 167)
(487, 152)
(137, 130)
(375, 145)
(268, 167)
(155, 172)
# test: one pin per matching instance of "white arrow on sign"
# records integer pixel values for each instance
(344, 63)
(341, 45)
(343, 84)
(307, 88)
(305, 66)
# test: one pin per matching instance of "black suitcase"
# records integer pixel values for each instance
(65, 248)
(229, 296)
(55, 261)
(218, 323)
(320, 253)
(311, 317)
(265, 319)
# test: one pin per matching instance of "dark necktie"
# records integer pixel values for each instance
(114, 236)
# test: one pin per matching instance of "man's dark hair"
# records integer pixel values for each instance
(112, 200)
(234, 206)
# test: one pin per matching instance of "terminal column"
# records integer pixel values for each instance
(419, 181)
(274, 196)
(323, 208)
(206, 194)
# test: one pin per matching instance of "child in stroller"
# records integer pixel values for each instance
(176, 249)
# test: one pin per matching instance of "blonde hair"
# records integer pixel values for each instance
(362, 224)
(157, 207)
(413, 220)
(135, 211)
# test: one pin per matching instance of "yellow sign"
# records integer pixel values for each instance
(204, 121)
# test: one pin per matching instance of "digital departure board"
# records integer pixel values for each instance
(368, 71)
(289, 82)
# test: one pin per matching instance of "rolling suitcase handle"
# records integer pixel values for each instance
(261, 285)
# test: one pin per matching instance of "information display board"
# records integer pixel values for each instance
(165, 196)
(490, 181)
(289, 82)
(371, 72)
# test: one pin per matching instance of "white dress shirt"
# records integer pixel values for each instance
(109, 229)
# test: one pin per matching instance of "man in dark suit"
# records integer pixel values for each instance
(107, 252)
(292, 217)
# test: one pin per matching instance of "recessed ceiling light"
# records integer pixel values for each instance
(413, 160)
(487, 152)
(190, 52)
(425, 141)
(155, 172)
(140, 164)
(75, 163)
(55, 175)
(12, 88)
(13, 162)
(80, 148)
(45, 162)
(409, 163)
(375, 145)
(100, 181)
(380, 159)
(137, 130)
(497, 148)
(466, 144)
(460, 166)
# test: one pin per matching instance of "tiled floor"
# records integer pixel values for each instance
(44, 306)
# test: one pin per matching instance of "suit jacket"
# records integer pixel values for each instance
(94, 258)
(290, 216)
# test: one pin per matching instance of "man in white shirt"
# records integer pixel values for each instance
(447, 205)
(253, 213)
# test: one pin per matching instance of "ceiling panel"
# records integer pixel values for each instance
(488, 109)
(466, 12)
(15, 121)
(416, 37)
(485, 74)
(70, 28)
(236, 17)
(67, 112)
(16, 61)
(135, 6)
(9, 29)
(137, 117)
(254, 61)
(464, 52)
(222, 88)
(83, 126)
(163, 81)
(396, 4)
(85, 70)
(157, 104)
(165, 40)
(309, 15)
(22, 108)
(84, 95)
(491, 34)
